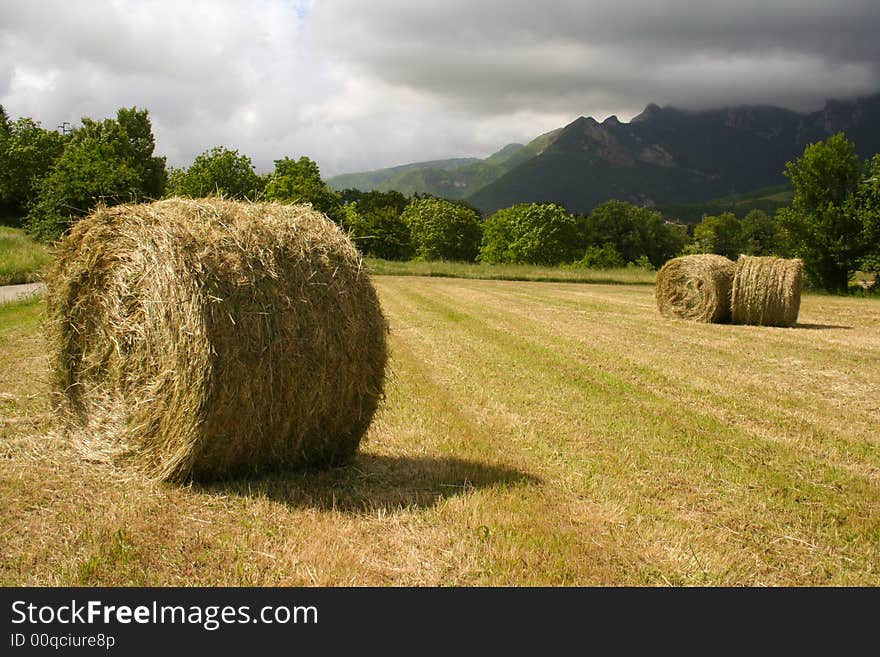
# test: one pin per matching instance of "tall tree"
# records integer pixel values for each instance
(634, 231)
(865, 204)
(299, 181)
(378, 231)
(374, 199)
(531, 233)
(443, 230)
(27, 154)
(759, 233)
(720, 234)
(108, 161)
(138, 147)
(4, 121)
(218, 170)
(822, 225)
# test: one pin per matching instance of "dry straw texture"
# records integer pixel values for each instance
(695, 287)
(208, 338)
(766, 291)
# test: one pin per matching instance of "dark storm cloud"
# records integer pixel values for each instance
(496, 56)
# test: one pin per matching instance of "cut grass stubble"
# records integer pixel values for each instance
(544, 434)
(22, 260)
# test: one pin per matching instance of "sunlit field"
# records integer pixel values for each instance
(438, 269)
(534, 433)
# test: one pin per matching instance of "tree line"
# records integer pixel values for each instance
(833, 223)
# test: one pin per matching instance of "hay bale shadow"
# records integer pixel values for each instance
(373, 481)
(821, 327)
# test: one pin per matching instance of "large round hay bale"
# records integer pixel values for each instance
(209, 338)
(695, 287)
(766, 291)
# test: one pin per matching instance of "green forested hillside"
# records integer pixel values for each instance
(373, 180)
(768, 199)
(454, 179)
(665, 156)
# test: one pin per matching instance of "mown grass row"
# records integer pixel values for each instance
(532, 434)
(482, 271)
(22, 260)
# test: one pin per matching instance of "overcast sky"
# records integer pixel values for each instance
(362, 84)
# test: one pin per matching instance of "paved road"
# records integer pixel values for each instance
(12, 292)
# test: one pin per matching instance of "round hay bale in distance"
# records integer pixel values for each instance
(212, 338)
(695, 287)
(766, 291)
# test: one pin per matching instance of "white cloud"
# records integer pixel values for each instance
(358, 85)
(210, 73)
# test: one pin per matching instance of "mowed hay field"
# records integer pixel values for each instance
(533, 434)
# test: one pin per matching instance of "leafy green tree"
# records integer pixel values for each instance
(497, 237)
(374, 199)
(865, 205)
(443, 230)
(531, 233)
(822, 224)
(137, 147)
(760, 235)
(299, 181)
(379, 231)
(108, 161)
(27, 154)
(604, 256)
(634, 231)
(373, 219)
(7, 208)
(218, 170)
(641, 263)
(719, 234)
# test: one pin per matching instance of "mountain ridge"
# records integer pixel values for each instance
(664, 155)
(455, 179)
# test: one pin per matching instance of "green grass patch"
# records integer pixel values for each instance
(23, 314)
(443, 269)
(22, 260)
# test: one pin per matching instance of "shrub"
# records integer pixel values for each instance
(605, 256)
(217, 171)
(634, 231)
(443, 230)
(299, 181)
(379, 232)
(721, 235)
(530, 233)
